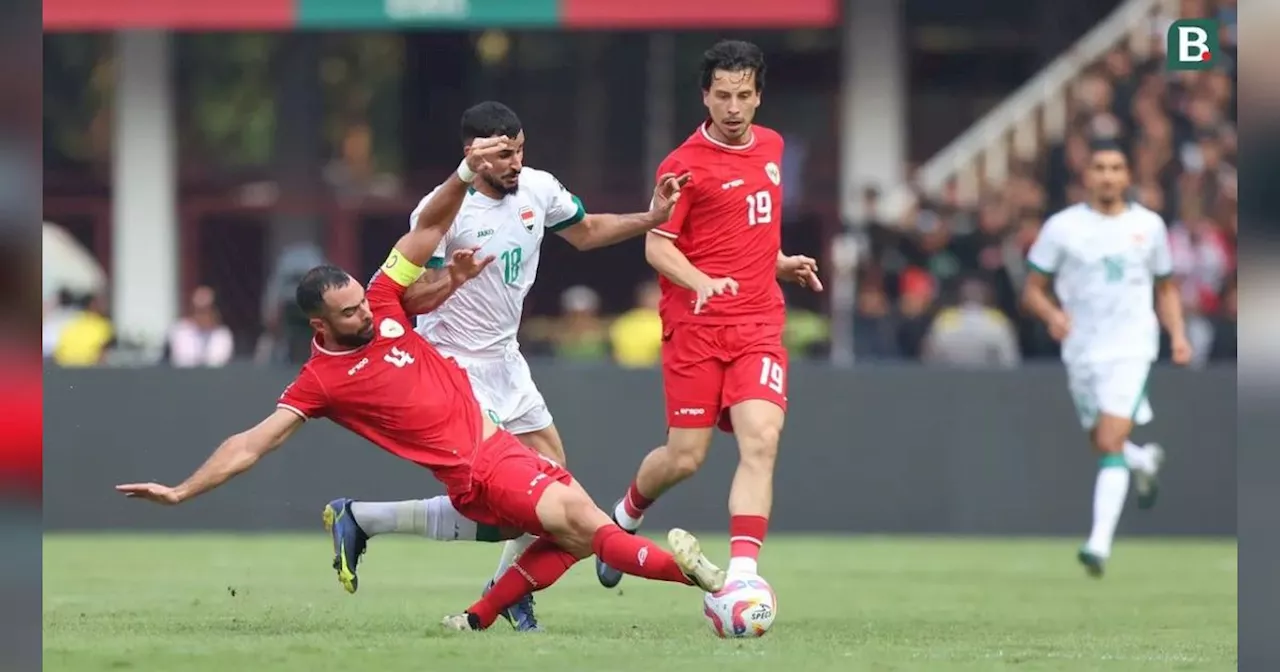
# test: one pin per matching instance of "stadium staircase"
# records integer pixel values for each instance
(1035, 116)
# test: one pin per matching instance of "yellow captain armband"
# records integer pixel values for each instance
(403, 271)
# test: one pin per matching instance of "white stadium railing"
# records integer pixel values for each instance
(1034, 116)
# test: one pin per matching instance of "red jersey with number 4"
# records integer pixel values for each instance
(728, 224)
(397, 391)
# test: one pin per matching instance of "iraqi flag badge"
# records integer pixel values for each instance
(526, 217)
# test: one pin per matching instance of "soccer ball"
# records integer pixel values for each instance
(745, 607)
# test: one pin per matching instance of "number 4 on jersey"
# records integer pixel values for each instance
(759, 208)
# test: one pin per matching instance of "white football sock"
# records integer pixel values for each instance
(625, 521)
(433, 518)
(512, 550)
(1139, 458)
(743, 566)
(1109, 494)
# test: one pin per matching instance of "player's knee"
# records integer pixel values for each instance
(686, 451)
(1110, 434)
(685, 463)
(759, 447)
(1109, 442)
(582, 518)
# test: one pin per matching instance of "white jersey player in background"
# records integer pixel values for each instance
(1105, 258)
(502, 222)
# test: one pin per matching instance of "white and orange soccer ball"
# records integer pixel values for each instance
(745, 607)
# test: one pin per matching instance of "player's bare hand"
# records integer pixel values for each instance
(1059, 326)
(1180, 349)
(713, 287)
(152, 492)
(801, 270)
(666, 194)
(464, 264)
(483, 149)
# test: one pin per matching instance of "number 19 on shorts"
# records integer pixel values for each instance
(772, 374)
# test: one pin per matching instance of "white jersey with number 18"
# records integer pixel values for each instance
(1104, 268)
(482, 317)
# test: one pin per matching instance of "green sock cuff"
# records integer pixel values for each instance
(1111, 460)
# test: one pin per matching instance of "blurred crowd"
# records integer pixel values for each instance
(948, 274)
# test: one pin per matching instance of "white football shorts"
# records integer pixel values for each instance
(505, 389)
(1117, 388)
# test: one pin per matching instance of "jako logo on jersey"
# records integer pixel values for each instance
(1191, 44)
(775, 175)
(484, 233)
(389, 328)
(526, 217)
(359, 365)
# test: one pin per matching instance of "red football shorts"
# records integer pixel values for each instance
(708, 368)
(507, 480)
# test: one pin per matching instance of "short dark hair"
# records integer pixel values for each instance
(1107, 145)
(733, 56)
(487, 119)
(313, 285)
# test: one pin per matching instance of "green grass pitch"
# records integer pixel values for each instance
(271, 603)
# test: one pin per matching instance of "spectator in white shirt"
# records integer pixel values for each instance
(201, 339)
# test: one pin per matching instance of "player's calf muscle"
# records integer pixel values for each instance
(751, 493)
(758, 429)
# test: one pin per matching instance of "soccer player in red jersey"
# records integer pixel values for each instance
(720, 258)
(371, 373)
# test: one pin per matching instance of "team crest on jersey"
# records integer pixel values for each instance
(389, 328)
(775, 175)
(526, 217)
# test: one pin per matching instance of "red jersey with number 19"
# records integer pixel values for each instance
(397, 392)
(727, 223)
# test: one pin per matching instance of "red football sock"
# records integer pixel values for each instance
(636, 555)
(635, 503)
(746, 536)
(541, 565)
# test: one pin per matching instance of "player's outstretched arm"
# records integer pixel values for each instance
(602, 230)
(236, 455)
(435, 218)
(436, 285)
